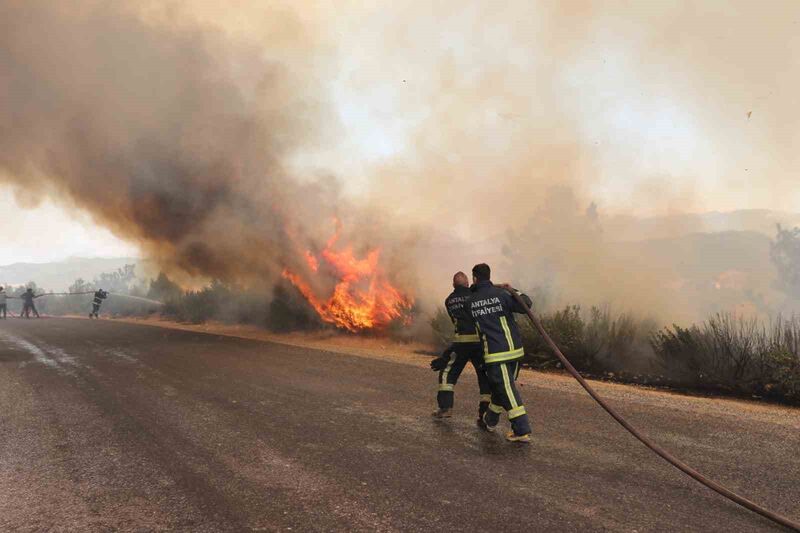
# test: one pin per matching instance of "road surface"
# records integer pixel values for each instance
(112, 426)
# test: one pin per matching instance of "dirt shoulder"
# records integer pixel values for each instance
(372, 348)
(418, 354)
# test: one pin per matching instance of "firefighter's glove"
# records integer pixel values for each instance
(438, 364)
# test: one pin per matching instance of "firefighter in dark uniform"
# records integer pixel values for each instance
(28, 305)
(99, 296)
(3, 303)
(465, 347)
(492, 308)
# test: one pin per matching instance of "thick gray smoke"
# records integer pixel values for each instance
(166, 131)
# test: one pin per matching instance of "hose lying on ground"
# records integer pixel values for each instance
(677, 463)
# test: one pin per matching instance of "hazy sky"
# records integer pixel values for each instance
(674, 106)
(49, 233)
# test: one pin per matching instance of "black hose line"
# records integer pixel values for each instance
(664, 454)
(130, 296)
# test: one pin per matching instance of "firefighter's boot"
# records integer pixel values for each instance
(513, 437)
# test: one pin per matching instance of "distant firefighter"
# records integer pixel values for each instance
(3, 302)
(28, 305)
(99, 296)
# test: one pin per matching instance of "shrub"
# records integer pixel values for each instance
(287, 312)
(598, 341)
(442, 327)
(225, 303)
(741, 355)
(566, 327)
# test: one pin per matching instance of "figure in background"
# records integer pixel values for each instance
(99, 296)
(28, 305)
(3, 302)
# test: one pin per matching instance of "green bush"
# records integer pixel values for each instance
(597, 341)
(741, 355)
(225, 303)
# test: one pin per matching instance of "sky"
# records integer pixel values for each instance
(50, 233)
(671, 106)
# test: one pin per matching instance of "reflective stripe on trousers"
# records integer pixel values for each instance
(448, 377)
(505, 396)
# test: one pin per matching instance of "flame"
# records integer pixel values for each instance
(362, 298)
(313, 264)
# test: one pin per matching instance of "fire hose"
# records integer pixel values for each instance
(148, 300)
(664, 454)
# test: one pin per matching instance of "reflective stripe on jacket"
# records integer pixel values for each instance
(492, 309)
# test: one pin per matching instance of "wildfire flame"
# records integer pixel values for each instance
(362, 298)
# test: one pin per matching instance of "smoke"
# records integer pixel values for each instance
(166, 131)
(223, 140)
(518, 118)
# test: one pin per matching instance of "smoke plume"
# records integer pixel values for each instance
(225, 140)
(166, 131)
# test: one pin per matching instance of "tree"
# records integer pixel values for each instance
(119, 281)
(80, 286)
(785, 255)
(163, 289)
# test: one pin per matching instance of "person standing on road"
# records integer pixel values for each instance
(28, 305)
(492, 308)
(99, 296)
(3, 302)
(465, 347)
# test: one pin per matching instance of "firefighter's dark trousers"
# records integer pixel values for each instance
(505, 397)
(27, 309)
(95, 310)
(461, 353)
(3, 310)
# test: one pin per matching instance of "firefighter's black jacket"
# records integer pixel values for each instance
(491, 309)
(459, 314)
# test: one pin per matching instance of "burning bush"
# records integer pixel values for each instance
(362, 296)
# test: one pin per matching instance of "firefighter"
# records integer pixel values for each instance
(491, 308)
(99, 296)
(465, 347)
(28, 305)
(3, 302)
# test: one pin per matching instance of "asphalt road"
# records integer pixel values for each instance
(110, 426)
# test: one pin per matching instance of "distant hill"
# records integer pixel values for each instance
(629, 228)
(58, 276)
(704, 256)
